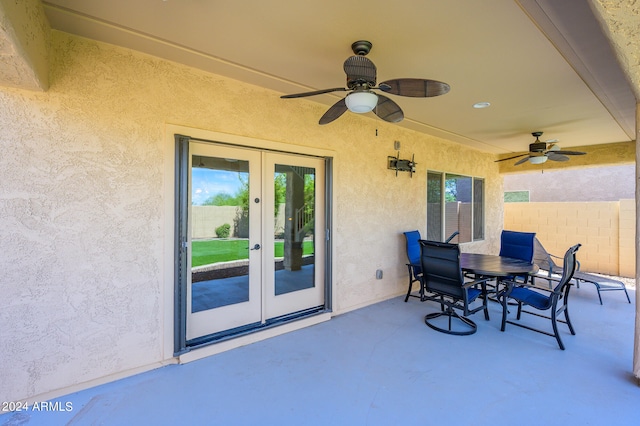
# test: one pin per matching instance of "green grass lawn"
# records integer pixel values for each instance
(213, 251)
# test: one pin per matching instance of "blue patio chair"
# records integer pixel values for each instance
(444, 280)
(517, 245)
(414, 266)
(543, 298)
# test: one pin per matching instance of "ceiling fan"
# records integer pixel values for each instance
(361, 81)
(540, 152)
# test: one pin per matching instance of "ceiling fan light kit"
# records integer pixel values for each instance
(361, 102)
(361, 81)
(538, 160)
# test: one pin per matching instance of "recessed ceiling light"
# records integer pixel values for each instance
(480, 105)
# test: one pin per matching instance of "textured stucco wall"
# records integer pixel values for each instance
(610, 183)
(620, 19)
(84, 196)
(24, 44)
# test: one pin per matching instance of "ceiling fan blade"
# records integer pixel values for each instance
(316, 92)
(414, 87)
(524, 160)
(388, 110)
(563, 152)
(334, 112)
(554, 156)
(510, 158)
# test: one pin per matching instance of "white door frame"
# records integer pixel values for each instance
(174, 328)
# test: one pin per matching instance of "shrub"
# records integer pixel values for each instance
(223, 231)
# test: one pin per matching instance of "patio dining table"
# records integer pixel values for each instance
(488, 265)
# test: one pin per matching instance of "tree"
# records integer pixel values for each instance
(280, 190)
(221, 199)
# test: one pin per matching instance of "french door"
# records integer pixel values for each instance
(253, 239)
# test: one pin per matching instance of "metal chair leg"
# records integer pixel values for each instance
(451, 313)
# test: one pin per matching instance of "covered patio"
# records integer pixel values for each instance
(107, 109)
(380, 365)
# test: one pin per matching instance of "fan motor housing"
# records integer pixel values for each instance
(538, 147)
(359, 70)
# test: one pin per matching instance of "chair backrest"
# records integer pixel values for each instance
(441, 268)
(568, 267)
(413, 246)
(543, 259)
(517, 245)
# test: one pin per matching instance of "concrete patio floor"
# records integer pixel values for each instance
(381, 365)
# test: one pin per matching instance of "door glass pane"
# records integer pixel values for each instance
(294, 245)
(434, 206)
(478, 209)
(219, 232)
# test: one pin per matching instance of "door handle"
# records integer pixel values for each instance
(255, 247)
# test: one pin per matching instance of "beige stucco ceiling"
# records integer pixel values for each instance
(542, 64)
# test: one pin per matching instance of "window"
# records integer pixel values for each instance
(455, 203)
(434, 206)
(516, 196)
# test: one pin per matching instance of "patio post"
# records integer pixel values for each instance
(619, 21)
(636, 346)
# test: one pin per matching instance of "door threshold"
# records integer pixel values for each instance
(247, 337)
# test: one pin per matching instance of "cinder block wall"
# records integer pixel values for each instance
(205, 220)
(606, 231)
(627, 247)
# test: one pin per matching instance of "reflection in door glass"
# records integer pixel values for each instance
(219, 232)
(434, 206)
(294, 245)
(458, 206)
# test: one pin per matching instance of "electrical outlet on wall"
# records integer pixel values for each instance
(379, 274)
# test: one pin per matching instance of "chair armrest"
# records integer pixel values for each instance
(562, 258)
(549, 278)
(534, 286)
(469, 284)
(415, 270)
(415, 266)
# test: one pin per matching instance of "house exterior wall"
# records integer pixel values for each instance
(86, 201)
(606, 183)
(24, 41)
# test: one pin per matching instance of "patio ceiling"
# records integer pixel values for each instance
(542, 64)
